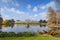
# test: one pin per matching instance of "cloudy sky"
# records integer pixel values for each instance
(25, 9)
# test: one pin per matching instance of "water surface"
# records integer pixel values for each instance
(23, 28)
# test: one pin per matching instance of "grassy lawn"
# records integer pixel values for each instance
(40, 37)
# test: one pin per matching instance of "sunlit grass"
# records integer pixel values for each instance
(39, 37)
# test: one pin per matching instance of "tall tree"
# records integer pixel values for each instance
(58, 11)
(40, 21)
(44, 21)
(51, 15)
(1, 20)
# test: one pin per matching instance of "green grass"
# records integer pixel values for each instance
(39, 37)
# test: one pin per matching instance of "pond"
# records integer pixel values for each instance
(23, 28)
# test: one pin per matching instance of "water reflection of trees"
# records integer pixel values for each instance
(1, 20)
(27, 26)
(12, 25)
(9, 23)
(42, 25)
(0, 27)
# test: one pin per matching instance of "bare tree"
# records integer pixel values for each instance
(51, 15)
(54, 16)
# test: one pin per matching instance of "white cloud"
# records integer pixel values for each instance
(43, 16)
(35, 9)
(17, 4)
(32, 18)
(50, 4)
(13, 10)
(16, 11)
(29, 6)
(1, 9)
(20, 12)
(7, 16)
(5, 1)
(35, 15)
(11, 2)
(43, 7)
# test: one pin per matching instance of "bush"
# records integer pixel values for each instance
(11, 34)
(52, 32)
(26, 34)
(3, 34)
(20, 34)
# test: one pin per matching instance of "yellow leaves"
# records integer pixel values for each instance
(6, 22)
(49, 23)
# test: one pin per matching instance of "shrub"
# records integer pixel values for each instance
(52, 32)
(20, 34)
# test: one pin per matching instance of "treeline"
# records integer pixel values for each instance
(12, 21)
(8, 22)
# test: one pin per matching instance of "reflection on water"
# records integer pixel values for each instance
(0, 27)
(23, 28)
(42, 25)
(12, 25)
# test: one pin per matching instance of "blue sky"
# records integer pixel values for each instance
(25, 9)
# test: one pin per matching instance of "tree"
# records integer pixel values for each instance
(44, 21)
(54, 16)
(6, 22)
(1, 20)
(51, 15)
(40, 21)
(11, 23)
(13, 20)
(58, 11)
